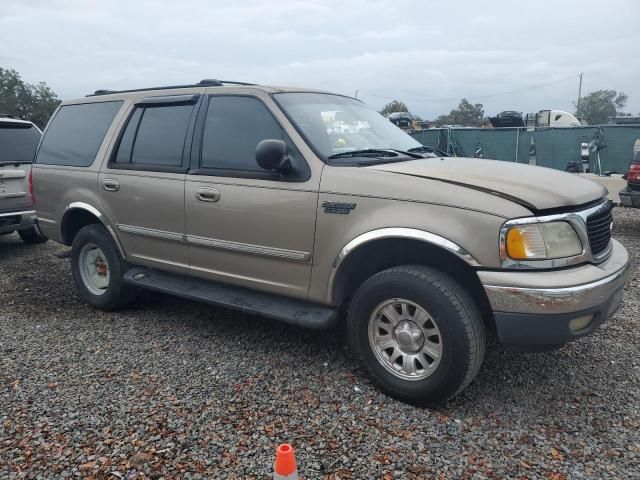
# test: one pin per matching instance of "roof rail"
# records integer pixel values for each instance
(207, 82)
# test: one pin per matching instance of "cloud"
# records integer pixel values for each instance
(414, 51)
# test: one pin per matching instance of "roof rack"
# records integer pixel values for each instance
(207, 82)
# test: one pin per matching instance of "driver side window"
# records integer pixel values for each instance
(234, 125)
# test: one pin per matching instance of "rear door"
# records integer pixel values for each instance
(18, 143)
(142, 185)
(245, 225)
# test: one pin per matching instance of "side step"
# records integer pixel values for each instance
(289, 310)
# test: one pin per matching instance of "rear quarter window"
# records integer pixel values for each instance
(76, 133)
(18, 143)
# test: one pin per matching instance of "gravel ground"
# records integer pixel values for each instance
(176, 389)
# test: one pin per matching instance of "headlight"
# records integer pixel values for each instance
(542, 241)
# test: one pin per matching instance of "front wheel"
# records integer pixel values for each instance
(98, 267)
(418, 333)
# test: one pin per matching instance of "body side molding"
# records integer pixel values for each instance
(227, 245)
(248, 248)
(396, 232)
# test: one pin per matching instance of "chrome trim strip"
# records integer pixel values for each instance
(151, 232)
(396, 232)
(249, 248)
(84, 206)
(93, 210)
(13, 195)
(216, 243)
(12, 174)
(578, 220)
(556, 300)
(20, 213)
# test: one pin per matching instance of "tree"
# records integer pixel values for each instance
(394, 106)
(31, 102)
(467, 114)
(598, 106)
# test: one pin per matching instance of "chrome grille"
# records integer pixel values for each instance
(599, 230)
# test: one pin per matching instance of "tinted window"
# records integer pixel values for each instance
(159, 133)
(76, 133)
(234, 126)
(17, 143)
(126, 142)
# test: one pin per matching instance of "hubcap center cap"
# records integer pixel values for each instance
(409, 336)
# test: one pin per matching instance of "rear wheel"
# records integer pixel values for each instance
(31, 236)
(418, 333)
(98, 267)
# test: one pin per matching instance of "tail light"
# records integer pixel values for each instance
(31, 194)
(633, 175)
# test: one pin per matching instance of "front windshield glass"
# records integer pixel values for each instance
(334, 124)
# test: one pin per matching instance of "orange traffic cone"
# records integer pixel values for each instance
(285, 466)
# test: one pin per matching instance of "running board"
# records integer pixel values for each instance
(289, 310)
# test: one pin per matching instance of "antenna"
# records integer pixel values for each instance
(579, 93)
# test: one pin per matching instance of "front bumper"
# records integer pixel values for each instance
(630, 198)
(19, 220)
(534, 310)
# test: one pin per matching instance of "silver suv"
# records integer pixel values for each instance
(311, 208)
(18, 142)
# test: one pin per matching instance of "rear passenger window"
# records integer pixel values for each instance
(233, 128)
(76, 133)
(154, 136)
(126, 142)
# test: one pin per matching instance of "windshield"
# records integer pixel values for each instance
(334, 124)
(18, 144)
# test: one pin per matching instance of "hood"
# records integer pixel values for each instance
(536, 188)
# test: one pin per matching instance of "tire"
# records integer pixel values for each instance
(31, 236)
(452, 329)
(101, 284)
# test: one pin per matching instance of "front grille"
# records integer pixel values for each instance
(599, 230)
(10, 220)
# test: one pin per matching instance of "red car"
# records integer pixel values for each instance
(630, 196)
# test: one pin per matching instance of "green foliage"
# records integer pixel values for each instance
(598, 106)
(467, 114)
(31, 102)
(394, 106)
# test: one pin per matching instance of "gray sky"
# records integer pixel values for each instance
(413, 51)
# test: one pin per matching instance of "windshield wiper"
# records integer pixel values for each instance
(426, 149)
(366, 152)
(409, 153)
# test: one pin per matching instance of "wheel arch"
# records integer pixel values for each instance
(381, 249)
(78, 215)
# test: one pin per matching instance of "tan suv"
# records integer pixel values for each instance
(310, 207)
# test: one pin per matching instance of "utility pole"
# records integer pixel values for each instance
(579, 93)
(357, 93)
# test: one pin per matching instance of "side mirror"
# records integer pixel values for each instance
(271, 154)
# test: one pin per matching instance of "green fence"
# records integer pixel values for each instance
(553, 147)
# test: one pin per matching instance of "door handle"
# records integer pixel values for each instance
(208, 194)
(111, 184)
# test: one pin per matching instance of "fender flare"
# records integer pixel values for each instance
(396, 232)
(96, 213)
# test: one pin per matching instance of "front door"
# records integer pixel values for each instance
(245, 225)
(142, 187)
